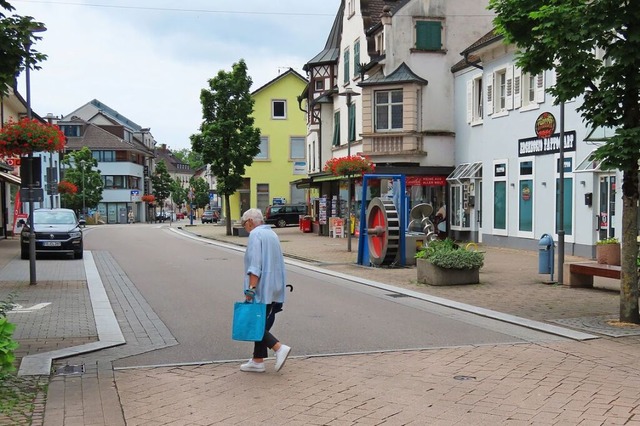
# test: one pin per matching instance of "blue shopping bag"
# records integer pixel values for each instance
(249, 320)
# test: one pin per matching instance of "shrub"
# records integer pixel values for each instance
(612, 240)
(7, 344)
(448, 255)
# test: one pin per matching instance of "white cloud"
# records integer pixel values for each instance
(151, 64)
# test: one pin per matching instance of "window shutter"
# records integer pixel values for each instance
(517, 87)
(347, 75)
(429, 35)
(352, 122)
(509, 89)
(490, 94)
(336, 128)
(356, 58)
(469, 101)
(540, 88)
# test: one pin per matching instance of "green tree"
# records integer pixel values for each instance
(200, 192)
(228, 141)
(178, 193)
(192, 158)
(80, 168)
(16, 37)
(161, 183)
(609, 84)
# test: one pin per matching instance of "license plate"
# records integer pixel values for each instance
(51, 243)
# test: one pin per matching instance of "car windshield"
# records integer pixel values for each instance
(58, 218)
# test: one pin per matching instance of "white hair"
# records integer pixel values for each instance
(255, 215)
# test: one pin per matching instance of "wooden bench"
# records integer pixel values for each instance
(581, 274)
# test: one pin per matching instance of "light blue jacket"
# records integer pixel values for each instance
(264, 259)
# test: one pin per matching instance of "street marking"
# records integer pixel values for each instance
(21, 309)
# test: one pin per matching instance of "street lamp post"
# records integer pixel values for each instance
(82, 164)
(32, 234)
(349, 93)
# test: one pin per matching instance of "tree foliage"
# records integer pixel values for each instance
(81, 170)
(594, 47)
(192, 158)
(200, 192)
(16, 37)
(161, 183)
(178, 193)
(228, 140)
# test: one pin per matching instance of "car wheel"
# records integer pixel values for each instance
(281, 223)
(78, 254)
(24, 254)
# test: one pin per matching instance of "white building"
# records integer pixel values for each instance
(505, 189)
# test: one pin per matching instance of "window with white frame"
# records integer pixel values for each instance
(264, 149)
(351, 8)
(500, 92)
(525, 198)
(262, 196)
(475, 99)
(279, 109)
(379, 39)
(388, 110)
(297, 148)
(528, 90)
(500, 197)
(320, 85)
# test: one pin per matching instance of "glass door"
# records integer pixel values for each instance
(607, 206)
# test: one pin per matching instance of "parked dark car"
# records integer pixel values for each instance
(56, 231)
(209, 216)
(285, 214)
(162, 216)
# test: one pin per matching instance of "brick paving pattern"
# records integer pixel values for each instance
(555, 383)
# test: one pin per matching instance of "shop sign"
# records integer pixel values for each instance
(545, 125)
(426, 180)
(550, 145)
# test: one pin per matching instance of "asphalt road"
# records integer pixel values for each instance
(192, 284)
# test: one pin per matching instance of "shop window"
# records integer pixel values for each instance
(500, 197)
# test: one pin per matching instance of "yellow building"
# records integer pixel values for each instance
(283, 155)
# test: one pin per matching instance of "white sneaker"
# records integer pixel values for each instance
(281, 356)
(253, 367)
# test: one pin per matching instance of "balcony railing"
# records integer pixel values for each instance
(391, 143)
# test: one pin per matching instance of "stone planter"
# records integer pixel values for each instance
(608, 254)
(434, 275)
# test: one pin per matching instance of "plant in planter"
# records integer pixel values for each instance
(29, 135)
(608, 251)
(445, 263)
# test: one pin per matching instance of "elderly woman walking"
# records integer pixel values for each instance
(264, 281)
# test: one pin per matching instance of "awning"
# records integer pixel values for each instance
(302, 183)
(466, 171)
(590, 164)
(327, 178)
(10, 178)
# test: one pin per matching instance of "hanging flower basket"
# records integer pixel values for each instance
(27, 136)
(350, 165)
(66, 187)
(148, 198)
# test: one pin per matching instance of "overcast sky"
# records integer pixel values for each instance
(149, 59)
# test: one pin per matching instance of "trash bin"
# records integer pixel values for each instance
(305, 223)
(546, 255)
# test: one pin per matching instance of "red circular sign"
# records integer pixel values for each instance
(545, 125)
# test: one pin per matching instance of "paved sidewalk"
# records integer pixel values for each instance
(568, 382)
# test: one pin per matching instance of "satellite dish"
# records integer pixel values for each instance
(421, 211)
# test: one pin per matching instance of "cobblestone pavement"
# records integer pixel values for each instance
(560, 382)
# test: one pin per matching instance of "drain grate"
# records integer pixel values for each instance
(464, 378)
(68, 370)
(397, 295)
